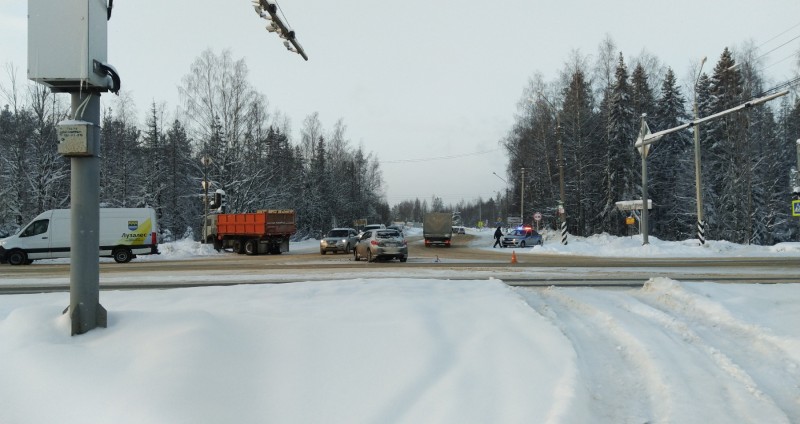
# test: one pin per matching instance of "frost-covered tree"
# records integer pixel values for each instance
(619, 180)
(670, 169)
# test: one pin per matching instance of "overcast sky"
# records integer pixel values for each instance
(418, 79)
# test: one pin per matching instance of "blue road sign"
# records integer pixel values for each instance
(795, 207)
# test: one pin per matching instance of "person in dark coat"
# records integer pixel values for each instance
(498, 234)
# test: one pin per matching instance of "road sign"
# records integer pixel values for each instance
(795, 207)
(630, 220)
(537, 216)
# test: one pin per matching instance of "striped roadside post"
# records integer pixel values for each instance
(701, 232)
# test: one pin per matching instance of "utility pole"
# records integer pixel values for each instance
(643, 131)
(522, 196)
(701, 224)
(646, 138)
(562, 213)
(67, 50)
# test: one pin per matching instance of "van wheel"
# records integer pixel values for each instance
(122, 255)
(17, 257)
(251, 247)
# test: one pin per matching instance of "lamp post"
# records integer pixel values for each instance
(206, 161)
(701, 230)
(503, 180)
(522, 196)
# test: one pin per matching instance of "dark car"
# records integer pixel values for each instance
(381, 244)
(338, 240)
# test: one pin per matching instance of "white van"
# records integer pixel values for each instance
(124, 233)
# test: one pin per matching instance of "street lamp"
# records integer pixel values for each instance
(522, 196)
(507, 191)
(701, 230)
(206, 161)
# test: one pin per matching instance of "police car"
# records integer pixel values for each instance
(522, 237)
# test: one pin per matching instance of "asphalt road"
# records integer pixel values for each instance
(457, 262)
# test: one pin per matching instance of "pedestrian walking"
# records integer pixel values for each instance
(498, 234)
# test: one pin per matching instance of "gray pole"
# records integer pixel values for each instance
(562, 212)
(85, 310)
(645, 149)
(522, 196)
(701, 224)
(797, 176)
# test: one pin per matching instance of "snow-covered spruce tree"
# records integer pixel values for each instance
(731, 177)
(619, 178)
(180, 208)
(122, 165)
(154, 182)
(671, 167)
(582, 149)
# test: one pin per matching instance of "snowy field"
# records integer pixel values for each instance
(415, 350)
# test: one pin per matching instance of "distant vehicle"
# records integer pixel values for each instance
(124, 233)
(373, 227)
(437, 228)
(396, 227)
(522, 237)
(459, 230)
(381, 244)
(338, 240)
(265, 231)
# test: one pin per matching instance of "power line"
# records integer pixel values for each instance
(439, 157)
(784, 32)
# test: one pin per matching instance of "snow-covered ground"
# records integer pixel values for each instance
(415, 350)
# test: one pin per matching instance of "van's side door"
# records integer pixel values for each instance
(35, 239)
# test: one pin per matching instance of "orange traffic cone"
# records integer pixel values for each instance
(513, 257)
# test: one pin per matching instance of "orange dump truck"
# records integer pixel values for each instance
(265, 231)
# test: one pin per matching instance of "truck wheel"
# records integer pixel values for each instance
(17, 257)
(251, 247)
(122, 255)
(403, 258)
(238, 247)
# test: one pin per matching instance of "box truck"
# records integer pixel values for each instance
(124, 233)
(437, 228)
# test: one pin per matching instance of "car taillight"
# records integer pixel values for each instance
(153, 239)
(374, 242)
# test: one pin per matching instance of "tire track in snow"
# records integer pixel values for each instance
(606, 353)
(759, 360)
(705, 386)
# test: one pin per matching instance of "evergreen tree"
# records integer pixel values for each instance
(619, 181)
(580, 147)
(730, 178)
(670, 169)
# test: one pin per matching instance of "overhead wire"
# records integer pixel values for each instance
(439, 157)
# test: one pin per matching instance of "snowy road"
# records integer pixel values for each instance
(668, 353)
